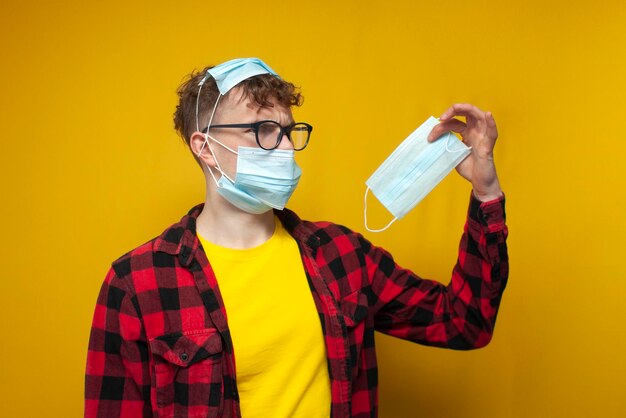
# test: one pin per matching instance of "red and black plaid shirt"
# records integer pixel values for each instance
(160, 344)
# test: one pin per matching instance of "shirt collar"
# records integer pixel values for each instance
(181, 239)
(303, 232)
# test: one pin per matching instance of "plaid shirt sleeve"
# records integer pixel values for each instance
(117, 382)
(460, 315)
(359, 289)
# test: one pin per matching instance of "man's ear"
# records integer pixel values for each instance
(200, 149)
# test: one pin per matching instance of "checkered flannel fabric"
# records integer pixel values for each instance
(160, 344)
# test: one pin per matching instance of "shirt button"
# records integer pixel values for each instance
(184, 356)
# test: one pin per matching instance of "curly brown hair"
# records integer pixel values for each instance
(262, 89)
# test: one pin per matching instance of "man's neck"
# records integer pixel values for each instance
(223, 224)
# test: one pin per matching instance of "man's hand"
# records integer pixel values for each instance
(480, 133)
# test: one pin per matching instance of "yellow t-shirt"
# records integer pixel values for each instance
(277, 335)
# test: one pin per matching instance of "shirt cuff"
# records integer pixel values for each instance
(489, 216)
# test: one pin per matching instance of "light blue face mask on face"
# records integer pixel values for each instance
(413, 170)
(270, 176)
(264, 179)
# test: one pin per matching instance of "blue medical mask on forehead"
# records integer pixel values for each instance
(233, 72)
(227, 75)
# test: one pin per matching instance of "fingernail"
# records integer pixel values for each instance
(443, 116)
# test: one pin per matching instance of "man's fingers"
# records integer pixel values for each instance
(454, 125)
(492, 130)
(463, 109)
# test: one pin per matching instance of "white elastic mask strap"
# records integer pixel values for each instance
(223, 146)
(198, 103)
(365, 215)
(207, 136)
(212, 175)
(206, 76)
(219, 168)
(206, 142)
(450, 135)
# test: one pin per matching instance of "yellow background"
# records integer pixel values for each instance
(91, 167)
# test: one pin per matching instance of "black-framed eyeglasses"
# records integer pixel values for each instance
(269, 133)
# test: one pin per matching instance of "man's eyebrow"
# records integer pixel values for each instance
(289, 122)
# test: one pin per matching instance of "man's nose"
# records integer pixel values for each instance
(285, 142)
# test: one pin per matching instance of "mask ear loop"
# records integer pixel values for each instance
(365, 215)
(207, 136)
(200, 84)
(450, 135)
(219, 168)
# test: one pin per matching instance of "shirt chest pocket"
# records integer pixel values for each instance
(188, 374)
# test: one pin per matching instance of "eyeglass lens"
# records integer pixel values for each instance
(269, 135)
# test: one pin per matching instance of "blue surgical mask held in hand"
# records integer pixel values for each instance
(413, 169)
(264, 179)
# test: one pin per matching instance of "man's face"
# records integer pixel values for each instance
(235, 109)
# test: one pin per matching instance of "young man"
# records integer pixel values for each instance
(244, 309)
